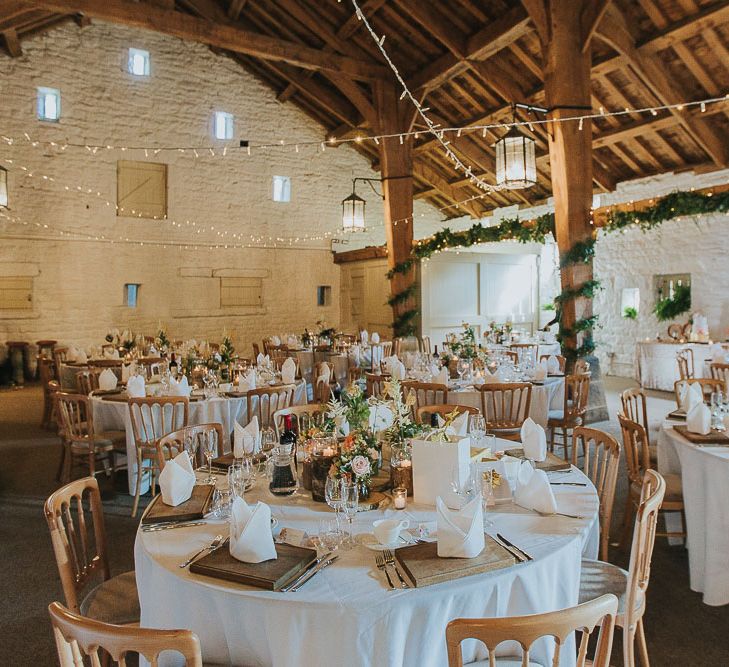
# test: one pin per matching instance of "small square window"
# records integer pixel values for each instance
(222, 125)
(131, 294)
(281, 189)
(138, 62)
(324, 295)
(49, 104)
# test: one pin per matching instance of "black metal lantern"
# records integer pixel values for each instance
(516, 164)
(353, 213)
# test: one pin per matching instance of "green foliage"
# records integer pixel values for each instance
(630, 313)
(227, 351)
(671, 307)
(403, 296)
(548, 306)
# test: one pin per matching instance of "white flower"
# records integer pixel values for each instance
(360, 466)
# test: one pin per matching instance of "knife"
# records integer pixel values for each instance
(298, 576)
(568, 483)
(153, 528)
(311, 573)
(519, 558)
(513, 546)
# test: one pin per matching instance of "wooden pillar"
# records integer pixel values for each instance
(396, 165)
(567, 60)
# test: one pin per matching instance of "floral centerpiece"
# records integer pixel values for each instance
(163, 342)
(127, 341)
(358, 459)
(463, 345)
(403, 427)
(325, 332)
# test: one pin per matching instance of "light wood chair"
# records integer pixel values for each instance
(525, 351)
(425, 346)
(423, 413)
(59, 357)
(153, 417)
(315, 413)
(279, 355)
(720, 371)
(79, 545)
(513, 356)
(560, 359)
(323, 390)
(685, 361)
(598, 578)
(525, 630)
(88, 381)
(47, 374)
(601, 463)
(386, 348)
(576, 395)
(635, 408)
(505, 407)
(77, 637)
(80, 439)
(708, 387)
(637, 463)
(375, 384)
(426, 393)
(265, 401)
(170, 445)
(256, 351)
(582, 366)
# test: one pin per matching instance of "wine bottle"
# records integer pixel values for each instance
(288, 437)
(173, 365)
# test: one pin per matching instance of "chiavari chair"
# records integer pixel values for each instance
(426, 393)
(46, 371)
(425, 346)
(562, 361)
(322, 389)
(78, 638)
(598, 578)
(685, 361)
(265, 401)
(576, 395)
(152, 417)
(75, 519)
(635, 408)
(87, 381)
(523, 631)
(720, 371)
(423, 413)
(375, 384)
(708, 387)
(505, 407)
(601, 462)
(525, 352)
(172, 444)
(313, 412)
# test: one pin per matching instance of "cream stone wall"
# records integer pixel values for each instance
(78, 282)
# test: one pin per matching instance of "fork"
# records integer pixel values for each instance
(381, 565)
(210, 547)
(390, 560)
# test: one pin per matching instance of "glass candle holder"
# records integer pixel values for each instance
(401, 469)
(323, 454)
(400, 497)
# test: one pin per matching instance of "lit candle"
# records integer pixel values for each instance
(400, 497)
(327, 451)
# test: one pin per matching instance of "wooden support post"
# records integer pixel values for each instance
(567, 87)
(396, 164)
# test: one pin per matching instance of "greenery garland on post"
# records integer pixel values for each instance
(672, 206)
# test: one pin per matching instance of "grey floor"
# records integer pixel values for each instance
(680, 629)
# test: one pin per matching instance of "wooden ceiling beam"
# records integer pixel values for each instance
(235, 8)
(227, 37)
(614, 31)
(429, 175)
(442, 29)
(12, 43)
(591, 16)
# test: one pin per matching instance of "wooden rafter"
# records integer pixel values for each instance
(12, 43)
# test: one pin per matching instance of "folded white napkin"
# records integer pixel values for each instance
(275, 340)
(288, 371)
(177, 480)
(540, 372)
(128, 370)
(389, 362)
(111, 353)
(135, 387)
(689, 396)
(552, 364)
(460, 533)
(441, 377)
(291, 341)
(246, 439)
(533, 490)
(534, 440)
(81, 357)
(491, 378)
(325, 375)
(248, 381)
(364, 336)
(251, 540)
(153, 351)
(375, 338)
(459, 425)
(398, 370)
(181, 388)
(107, 380)
(262, 360)
(698, 419)
(72, 354)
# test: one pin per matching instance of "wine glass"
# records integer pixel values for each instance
(268, 439)
(239, 476)
(190, 444)
(350, 504)
(333, 495)
(210, 450)
(330, 534)
(477, 428)
(462, 367)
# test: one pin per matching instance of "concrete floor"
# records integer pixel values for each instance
(680, 629)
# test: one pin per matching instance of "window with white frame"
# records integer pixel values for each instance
(281, 189)
(222, 125)
(138, 62)
(49, 104)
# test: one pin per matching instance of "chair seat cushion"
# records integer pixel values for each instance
(598, 578)
(114, 600)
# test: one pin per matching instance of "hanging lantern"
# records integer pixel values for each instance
(516, 164)
(353, 213)
(3, 187)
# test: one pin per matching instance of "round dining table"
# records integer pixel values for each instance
(111, 413)
(347, 614)
(704, 471)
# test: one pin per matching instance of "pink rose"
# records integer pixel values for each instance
(360, 466)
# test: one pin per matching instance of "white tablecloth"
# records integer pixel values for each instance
(546, 397)
(346, 615)
(657, 367)
(705, 480)
(114, 416)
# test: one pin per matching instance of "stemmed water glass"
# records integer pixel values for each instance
(190, 444)
(210, 450)
(333, 495)
(330, 534)
(477, 428)
(717, 401)
(350, 504)
(462, 367)
(467, 489)
(240, 474)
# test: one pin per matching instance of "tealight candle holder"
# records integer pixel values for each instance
(400, 497)
(322, 456)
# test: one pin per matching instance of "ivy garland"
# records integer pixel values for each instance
(671, 206)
